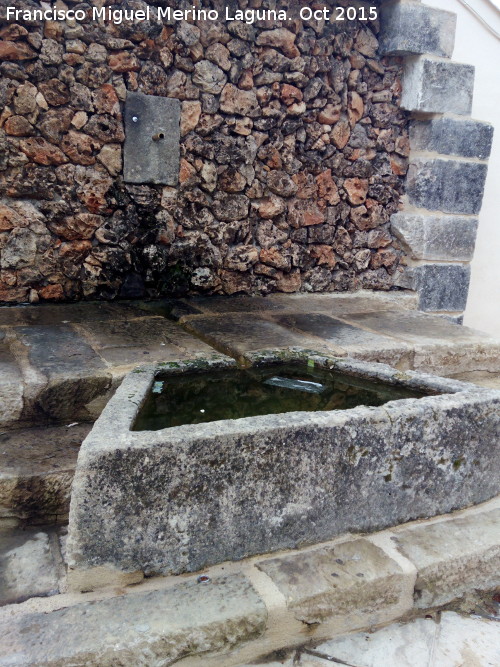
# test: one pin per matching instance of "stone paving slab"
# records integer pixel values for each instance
(29, 566)
(59, 351)
(489, 380)
(352, 579)
(439, 346)
(138, 341)
(302, 303)
(352, 340)
(140, 629)
(416, 327)
(468, 556)
(61, 365)
(449, 641)
(63, 313)
(242, 334)
(37, 466)
(62, 372)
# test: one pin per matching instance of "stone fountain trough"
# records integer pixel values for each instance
(181, 498)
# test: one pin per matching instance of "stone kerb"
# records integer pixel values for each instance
(234, 488)
(448, 158)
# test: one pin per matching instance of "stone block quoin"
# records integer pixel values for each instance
(448, 155)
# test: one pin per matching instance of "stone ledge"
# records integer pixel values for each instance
(37, 469)
(159, 627)
(463, 137)
(250, 608)
(437, 86)
(354, 582)
(468, 557)
(412, 28)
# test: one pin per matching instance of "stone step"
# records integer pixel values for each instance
(233, 614)
(405, 339)
(37, 466)
(63, 362)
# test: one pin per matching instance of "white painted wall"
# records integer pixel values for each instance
(474, 44)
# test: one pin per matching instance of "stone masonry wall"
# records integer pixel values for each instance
(293, 157)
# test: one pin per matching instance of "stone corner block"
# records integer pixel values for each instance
(349, 584)
(442, 287)
(436, 237)
(451, 186)
(152, 139)
(437, 86)
(413, 28)
(463, 137)
(453, 557)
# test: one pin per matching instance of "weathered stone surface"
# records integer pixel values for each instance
(55, 92)
(69, 312)
(148, 159)
(356, 342)
(28, 566)
(455, 556)
(340, 471)
(449, 640)
(38, 465)
(144, 340)
(80, 148)
(414, 28)
(236, 101)
(437, 86)
(445, 237)
(259, 334)
(451, 186)
(452, 136)
(357, 189)
(11, 386)
(42, 152)
(416, 327)
(264, 100)
(439, 344)
(18, 126)
(16, 51)
(280, 38)
(231, 207)
(332, 304)
(292, 111)
(81, 226)
(354, 578)
(209, 77)
(190, 115)
(69, 374)
(185, 620)
(111, 157)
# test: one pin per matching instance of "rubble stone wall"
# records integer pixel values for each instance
(293, 157)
